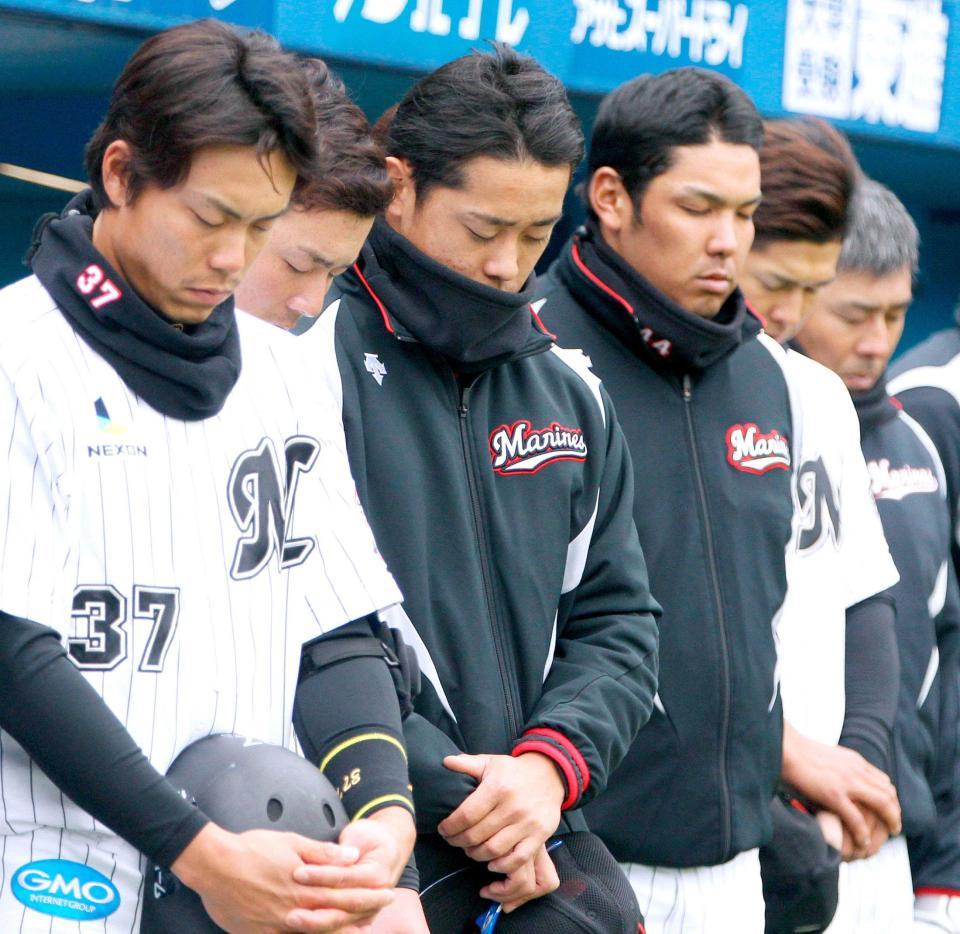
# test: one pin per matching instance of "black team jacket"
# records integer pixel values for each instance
(926, 383)
(499, 488)
(706, 411)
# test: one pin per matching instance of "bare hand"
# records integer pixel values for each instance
(843, 782)
(832, 829)
(247, 882)
(513, 810)
(384, 842)
(403, 916)
(879, 833)
(532, 880)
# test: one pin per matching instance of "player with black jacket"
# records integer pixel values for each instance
(854, 328)
(498, 483)
(648, 290)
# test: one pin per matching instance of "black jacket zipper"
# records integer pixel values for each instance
(726, 829)
(507, 678)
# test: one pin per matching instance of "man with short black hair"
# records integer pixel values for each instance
(648, 290)
(497, 482)
(182, 539)
(853, 328)
(330, 215)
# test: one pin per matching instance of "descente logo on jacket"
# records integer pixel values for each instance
(753, 451)
(522, 449)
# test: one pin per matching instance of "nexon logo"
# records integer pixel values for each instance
(65, 889)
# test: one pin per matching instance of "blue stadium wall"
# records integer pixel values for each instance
(886, 71)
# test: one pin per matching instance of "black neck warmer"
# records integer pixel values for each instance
(642, 316)
(474, 326)
(874, 406)
(186, 374)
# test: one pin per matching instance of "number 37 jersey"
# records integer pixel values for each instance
(183, 563)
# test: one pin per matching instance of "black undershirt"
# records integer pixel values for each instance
(68, 730)
(871, 679)
(48, 707)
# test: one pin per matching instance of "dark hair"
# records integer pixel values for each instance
(204, 84)
(640, 123)
(499, 104)
(808, 173)
(351, 174)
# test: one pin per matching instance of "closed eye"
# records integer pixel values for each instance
(205, 222)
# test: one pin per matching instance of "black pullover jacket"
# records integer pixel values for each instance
(908, 485)
(706, 411)
(499, 487)
(926, 382)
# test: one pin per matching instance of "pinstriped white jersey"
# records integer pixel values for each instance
(184, 563)
(838, 555)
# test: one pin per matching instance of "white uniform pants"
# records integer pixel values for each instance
(876, 894)
(724, 899)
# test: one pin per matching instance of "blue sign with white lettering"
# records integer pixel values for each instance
(65, 889)
(889, 68)
(154, 14)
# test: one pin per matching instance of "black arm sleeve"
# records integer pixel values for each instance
(871, 679)
(48, 707)
(347, 718)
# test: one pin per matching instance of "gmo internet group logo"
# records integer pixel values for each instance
(65, 889)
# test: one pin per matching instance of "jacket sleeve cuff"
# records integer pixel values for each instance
(567, 758)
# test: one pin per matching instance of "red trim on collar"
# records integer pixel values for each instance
(935, 890)
(756, 314)
(541, 325)
(376, 299)
(616, 296)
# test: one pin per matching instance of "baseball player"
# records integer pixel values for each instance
(853, 328)
(316, 240)
(495, 475)
(926, 381)
(331, 213)
(180, 527)
(648, 290)
(836, 624)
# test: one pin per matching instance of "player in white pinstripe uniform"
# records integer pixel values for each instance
(178, 510)
(834, 633)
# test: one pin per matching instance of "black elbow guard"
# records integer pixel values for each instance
(347, 718)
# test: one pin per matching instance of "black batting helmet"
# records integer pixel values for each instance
(240, 784)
